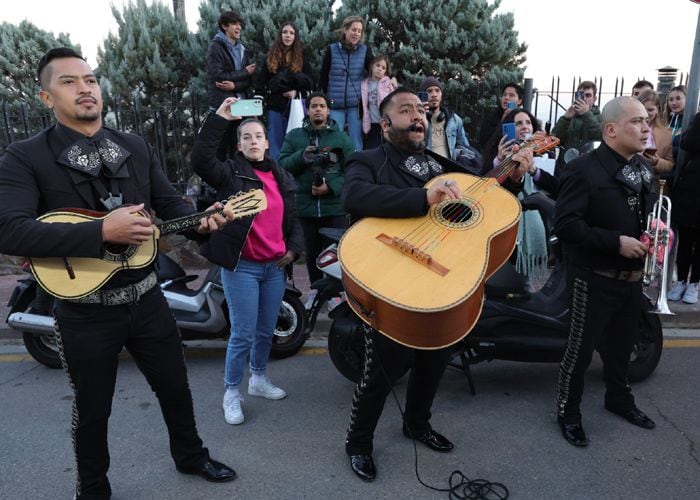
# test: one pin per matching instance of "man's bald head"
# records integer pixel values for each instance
(625, 125)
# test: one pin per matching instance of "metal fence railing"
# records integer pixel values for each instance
(171, 126)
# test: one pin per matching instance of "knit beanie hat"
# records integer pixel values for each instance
(428, 82)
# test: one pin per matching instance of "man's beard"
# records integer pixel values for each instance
(88, 116)
(401, 140)
(317, 122)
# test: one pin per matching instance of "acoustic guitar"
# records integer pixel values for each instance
(420, 280)
(75, 277)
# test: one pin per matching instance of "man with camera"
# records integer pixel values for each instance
(581, 122)
(314, 154)
(445, 135)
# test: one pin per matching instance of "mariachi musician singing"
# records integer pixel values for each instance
(388, 182)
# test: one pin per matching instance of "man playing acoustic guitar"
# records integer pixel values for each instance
(81, 164)
(388, 181)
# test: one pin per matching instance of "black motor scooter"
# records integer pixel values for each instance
(514, 324)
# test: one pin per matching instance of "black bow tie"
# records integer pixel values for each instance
(634, 175)
(90, 155)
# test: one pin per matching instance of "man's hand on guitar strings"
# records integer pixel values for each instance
(443, 190)
(127, 226)
(215, 221)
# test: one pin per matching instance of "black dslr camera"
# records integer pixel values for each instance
(320, 160)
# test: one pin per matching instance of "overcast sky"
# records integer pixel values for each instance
(570, 38)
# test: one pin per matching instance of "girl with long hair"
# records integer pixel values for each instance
(286, 74)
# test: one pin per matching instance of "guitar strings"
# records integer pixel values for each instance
(426, 236)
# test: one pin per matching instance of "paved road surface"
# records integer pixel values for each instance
(294, 448)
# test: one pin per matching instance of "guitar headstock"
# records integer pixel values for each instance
(540, 142)
(246, 203)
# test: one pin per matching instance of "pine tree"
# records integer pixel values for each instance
(464, 43)
(21, 47)
(150, 53)
(262, 21)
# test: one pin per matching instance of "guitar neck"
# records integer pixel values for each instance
(186, 222)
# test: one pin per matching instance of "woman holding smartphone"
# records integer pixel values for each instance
(253, 252)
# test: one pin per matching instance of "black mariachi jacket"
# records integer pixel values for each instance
(378, 185)
(594, 209)
(33, 181)
(236, 174)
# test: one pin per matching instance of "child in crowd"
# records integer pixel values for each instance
(374, 89)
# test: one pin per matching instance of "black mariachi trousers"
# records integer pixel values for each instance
(604, 312)
(90, 338)
(385, 362)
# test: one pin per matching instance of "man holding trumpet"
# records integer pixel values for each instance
(601, 214)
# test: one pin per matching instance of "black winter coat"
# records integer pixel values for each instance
(229, 177)
(220, 67)
(284, 81)
(686, 190)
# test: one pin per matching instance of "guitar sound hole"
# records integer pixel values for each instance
(115, 252)
(457, 214)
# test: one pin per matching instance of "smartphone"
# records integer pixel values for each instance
(508, 130)
(578, 95)
(511, 105)
(423, 96)
(247, 107)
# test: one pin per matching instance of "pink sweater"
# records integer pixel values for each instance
(384, 88)
(265, 241)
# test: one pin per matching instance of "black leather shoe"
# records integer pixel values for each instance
(431, 439)
(211, 470)
(363, 466)
(634, 416)
(574, 434)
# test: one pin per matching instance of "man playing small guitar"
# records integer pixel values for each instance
(78, 163)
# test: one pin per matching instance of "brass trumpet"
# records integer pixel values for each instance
(658, 232)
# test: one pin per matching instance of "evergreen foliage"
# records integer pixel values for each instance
(21, 47)
(150, 53)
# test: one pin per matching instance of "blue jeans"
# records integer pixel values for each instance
(276, 130)
(352, 117)
(254, 294)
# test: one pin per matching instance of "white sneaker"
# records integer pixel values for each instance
(677, 291)
(266, 389)
(691, 294)
(233, 412)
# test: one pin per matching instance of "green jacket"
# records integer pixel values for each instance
(291, 158)
(577, 131)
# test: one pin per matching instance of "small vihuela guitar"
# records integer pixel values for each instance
(420, 280)
(75, 277)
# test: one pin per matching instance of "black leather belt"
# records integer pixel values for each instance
(129, 294)
(621, 275)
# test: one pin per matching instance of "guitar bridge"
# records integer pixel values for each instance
(413, 252)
